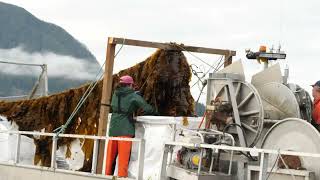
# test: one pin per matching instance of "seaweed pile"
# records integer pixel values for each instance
(163, 80)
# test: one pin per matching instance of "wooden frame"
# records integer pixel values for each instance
(107, 81)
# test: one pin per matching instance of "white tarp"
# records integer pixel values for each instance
(155, 130)
(8, 144)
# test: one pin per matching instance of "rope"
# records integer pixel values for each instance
(218, 66)
(204, 115)
(194, 72)
(203, 86)
(84, 97)
(192, 54)
(274, 164)
(62, 128)
(204, 83)
(123, 41)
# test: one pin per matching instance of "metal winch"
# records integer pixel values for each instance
(253, 107)
(266, 113)
(258, 107)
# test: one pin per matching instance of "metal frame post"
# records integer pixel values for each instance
(105, 100)
(41, 84)
(141, 159)
(212, 159)
(173, 139)
(164, 160)
(236, 112)
(228, 59)
(264, 157)
(45, 79)
(200, 161)
(53, 152)
(17, 154)
(94, 156)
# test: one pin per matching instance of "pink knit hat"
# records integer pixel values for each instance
(126, 79)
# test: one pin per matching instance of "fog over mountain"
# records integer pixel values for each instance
(26, 39)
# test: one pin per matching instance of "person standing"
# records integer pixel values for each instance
(123, 104)
(316, 104)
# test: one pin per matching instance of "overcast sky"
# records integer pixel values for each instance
(227, 24)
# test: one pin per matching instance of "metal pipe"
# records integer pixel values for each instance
(263, 166)
(24, 64)
(196, 132)
(72, 136)
(211, 163)
(141, 159)
(233, 144)
(156, 123)
(53, 152)
(231, 157)
(45, 79)
(236, 148)
(173, 139)
(94, 156)
(17, 154)
(200, 162)
(271, 121)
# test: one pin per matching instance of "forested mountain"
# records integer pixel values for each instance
(20, 29)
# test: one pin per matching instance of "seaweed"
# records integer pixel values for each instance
(163, 80)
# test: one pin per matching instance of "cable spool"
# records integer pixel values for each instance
(278, 101)
(250, 109)
(293, 134)
(260, 107)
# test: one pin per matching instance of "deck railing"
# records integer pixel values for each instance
(55, 138)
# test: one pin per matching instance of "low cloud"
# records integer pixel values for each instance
(58, 65)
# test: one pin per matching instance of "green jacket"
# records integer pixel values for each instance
(121, 120)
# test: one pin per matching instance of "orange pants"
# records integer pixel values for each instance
(123, 149)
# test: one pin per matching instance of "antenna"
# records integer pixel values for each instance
(264, 57)
(279, 48)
